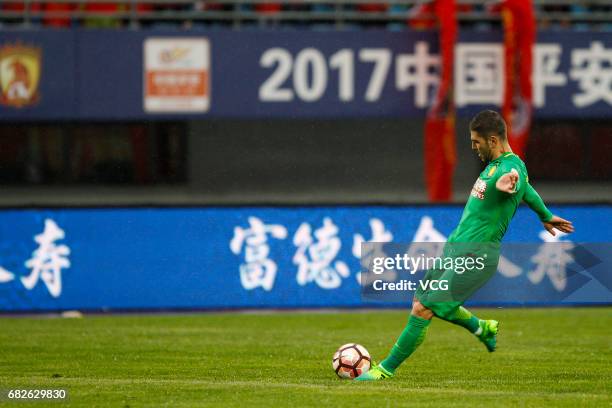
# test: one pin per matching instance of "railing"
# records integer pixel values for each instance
(136, 13)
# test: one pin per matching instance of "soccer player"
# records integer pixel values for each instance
(497, 193)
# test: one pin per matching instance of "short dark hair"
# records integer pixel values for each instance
(488, 123)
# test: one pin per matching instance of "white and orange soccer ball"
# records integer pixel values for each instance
(351, 360)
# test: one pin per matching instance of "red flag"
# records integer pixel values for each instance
(440, 149)
(519, 37)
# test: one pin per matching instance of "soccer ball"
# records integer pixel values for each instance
(351, 360)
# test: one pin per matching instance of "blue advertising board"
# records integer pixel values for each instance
(152, 74)
(259, 257)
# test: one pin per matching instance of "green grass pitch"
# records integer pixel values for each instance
(546, 357)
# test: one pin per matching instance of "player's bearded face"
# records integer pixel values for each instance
(481, 146)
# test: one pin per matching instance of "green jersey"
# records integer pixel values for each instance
(488, 211)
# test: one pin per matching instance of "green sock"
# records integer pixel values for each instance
(408, 341)
(464, 318)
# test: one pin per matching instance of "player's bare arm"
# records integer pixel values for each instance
(558, 223)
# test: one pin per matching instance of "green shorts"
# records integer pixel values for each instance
(445, 289)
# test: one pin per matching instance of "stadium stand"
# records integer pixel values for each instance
(558, 14)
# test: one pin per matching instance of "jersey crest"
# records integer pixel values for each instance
(492, 171)
(478, 191)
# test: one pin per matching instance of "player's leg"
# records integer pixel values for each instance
(464, 318)
(484, 330)
(412, 336)
(448, 305)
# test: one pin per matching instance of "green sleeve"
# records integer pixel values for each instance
(534, 201)
(507, 168)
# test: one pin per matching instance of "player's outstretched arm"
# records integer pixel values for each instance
(535, 202)
(558, 223)
(550, 221)
(509, 182)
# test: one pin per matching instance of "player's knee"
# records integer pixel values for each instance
(421, 311)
